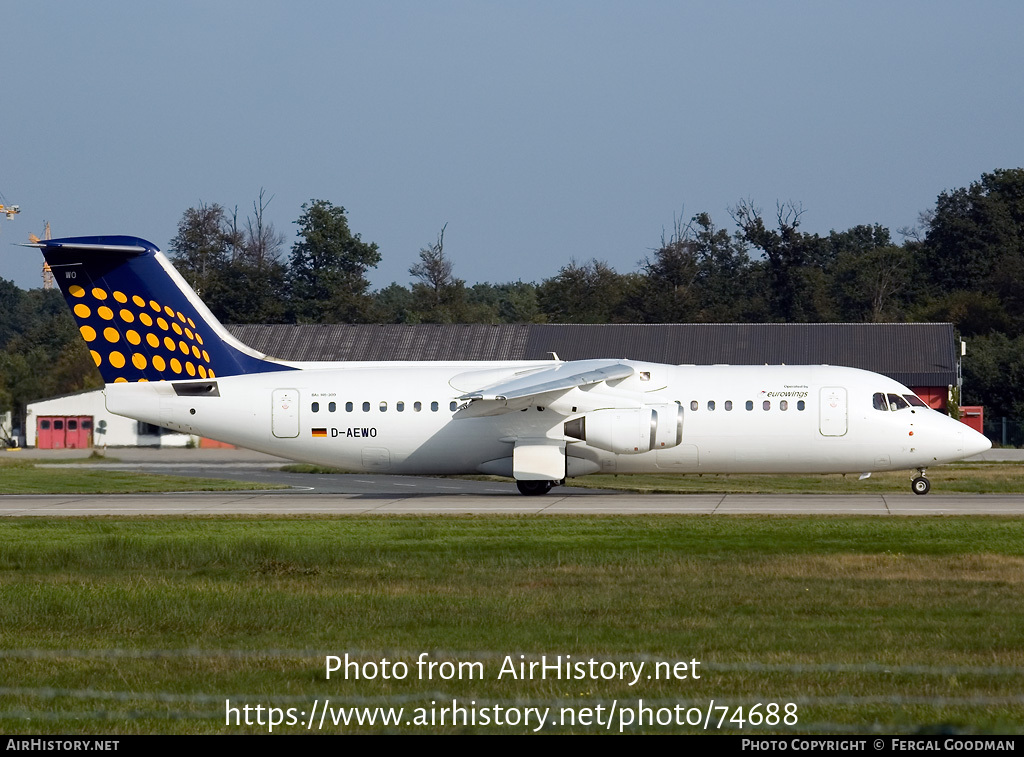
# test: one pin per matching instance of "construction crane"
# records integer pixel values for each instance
(47, 273)
(46, 234)
(8, 210)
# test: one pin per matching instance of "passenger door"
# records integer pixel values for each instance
(832, 415)
(285, 413)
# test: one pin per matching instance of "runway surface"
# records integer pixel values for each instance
(290, 503)
(361, 494)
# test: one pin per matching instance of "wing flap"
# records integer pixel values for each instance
(561, 377)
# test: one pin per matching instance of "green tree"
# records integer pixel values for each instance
(234, 266)
(974, 244)
(993, 373)
(725, 273)
(871, 279)
(794, 262)
(327, 275)
(200, 248)
(670, 292)
(11, 311)
(589, 293)
(973, 313)
(512, 302)
(44, 335)
(250, 293)
(394, 304)
(438, 297)
(699, 274)
(974, 231)
(253, 278)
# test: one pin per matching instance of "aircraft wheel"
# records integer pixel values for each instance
(534, 488)
(920, 485)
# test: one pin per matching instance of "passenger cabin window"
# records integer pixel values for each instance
(366, 407)
(767, 404)
(728, 404)
(694, 405)
(433, 407)
(800, 405)
(711, 404)
(783, 405)
(332, 407)
(348, 407)
(383, 407)
(750, 405)
(400, 407)
(453, 406)
(315, 407)
(417, 406)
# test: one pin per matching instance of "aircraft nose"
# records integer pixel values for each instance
(974, 443)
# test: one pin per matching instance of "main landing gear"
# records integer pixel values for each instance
(534, 488)
(920, 485)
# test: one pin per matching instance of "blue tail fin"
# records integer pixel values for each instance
(140, 318)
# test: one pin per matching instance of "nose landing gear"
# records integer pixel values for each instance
(920, 485)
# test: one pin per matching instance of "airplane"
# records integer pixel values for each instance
(166, 360)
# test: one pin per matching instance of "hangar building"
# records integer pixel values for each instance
(81, 420)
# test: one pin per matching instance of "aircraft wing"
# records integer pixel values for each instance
(559, 377)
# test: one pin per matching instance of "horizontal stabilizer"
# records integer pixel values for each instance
(57, 244)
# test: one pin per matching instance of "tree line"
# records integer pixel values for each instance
(963, 262)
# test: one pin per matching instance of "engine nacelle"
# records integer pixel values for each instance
(630, 431)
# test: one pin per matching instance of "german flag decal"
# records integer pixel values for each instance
(320, 432)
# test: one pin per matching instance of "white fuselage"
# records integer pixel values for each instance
(408, 418)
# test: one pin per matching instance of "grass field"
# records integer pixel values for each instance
(148, 625)
(35, 477)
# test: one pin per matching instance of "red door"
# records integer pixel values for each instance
(64, 432)
(44, 433)
(78, 432)
(85, 423)
(57, 437)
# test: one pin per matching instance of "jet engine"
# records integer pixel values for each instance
(629, 431)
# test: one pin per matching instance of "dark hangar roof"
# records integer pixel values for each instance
(364, 341)
(916, 354)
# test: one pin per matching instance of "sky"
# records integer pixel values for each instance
(539, 132)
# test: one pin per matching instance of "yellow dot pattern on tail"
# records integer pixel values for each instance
(130, 336)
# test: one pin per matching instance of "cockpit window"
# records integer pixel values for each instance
(896, 402)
